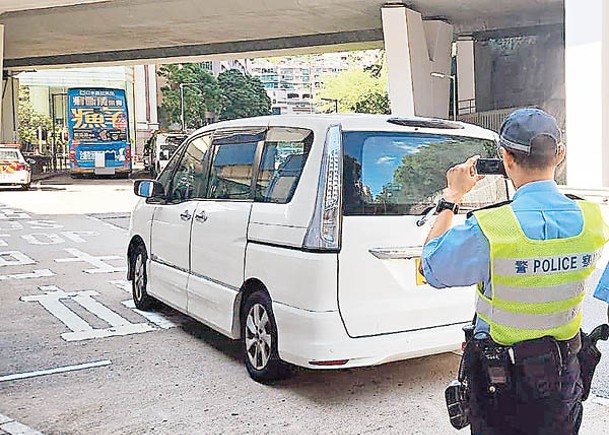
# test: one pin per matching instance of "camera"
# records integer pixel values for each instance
(490, 167)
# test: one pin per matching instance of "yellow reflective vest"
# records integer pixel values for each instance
(537, 286)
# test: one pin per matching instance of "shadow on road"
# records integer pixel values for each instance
(343, 386)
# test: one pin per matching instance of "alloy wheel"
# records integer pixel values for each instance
(258, 341)
(140, 277)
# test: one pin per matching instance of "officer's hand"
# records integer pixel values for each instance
(461, 179)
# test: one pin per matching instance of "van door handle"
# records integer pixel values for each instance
(201, 217)
(185, 215)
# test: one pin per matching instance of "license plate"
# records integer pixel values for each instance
(420, 278)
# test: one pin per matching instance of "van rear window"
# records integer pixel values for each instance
(405, 173)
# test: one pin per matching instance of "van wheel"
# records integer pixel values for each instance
(259, 333)
(141, 299)
(25, 186)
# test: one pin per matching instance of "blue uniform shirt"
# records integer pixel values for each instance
(602, 289)
(461, 256)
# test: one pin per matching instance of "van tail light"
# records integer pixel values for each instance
(324, 229)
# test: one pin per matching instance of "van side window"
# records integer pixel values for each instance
(190, 177)
(231, 170)
(166, 174)
(283, 158)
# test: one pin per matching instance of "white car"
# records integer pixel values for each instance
(159, 149)
(302, 236)
(14, 170)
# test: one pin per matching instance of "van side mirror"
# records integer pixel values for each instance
(148, 189)
(164, 155)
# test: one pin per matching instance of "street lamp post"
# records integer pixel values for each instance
(454, 89)
(182, 116)
(332, 100)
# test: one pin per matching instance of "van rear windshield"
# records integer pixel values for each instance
(405, 173)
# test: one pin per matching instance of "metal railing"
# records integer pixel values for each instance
(466, 107)
(491, 119)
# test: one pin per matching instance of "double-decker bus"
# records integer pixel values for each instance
(98, 132)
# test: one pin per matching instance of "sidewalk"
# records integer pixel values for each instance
(47, 175)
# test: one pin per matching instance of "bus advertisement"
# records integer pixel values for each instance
(98, 132)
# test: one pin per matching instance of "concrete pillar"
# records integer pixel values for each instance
(1, 81)
(466, 77)
(10, 106)
(414, 49)
(587, 92)
(146, 116)
(9, 101)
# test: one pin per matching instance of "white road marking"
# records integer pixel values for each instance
(14, 258)
(9, 214)
(157, 319)
(53, 238)
(64, 369)
(599, 400)
(12, 427)
(80, 329)
(43, 239)
(44, 224)
(108, 224)
(123, 284)
(37, 273)
(161, 320)
(10, 226)
(75, 236)
(99, 262)
(4, 242)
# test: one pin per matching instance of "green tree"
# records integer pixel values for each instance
(242, 96)
(422, 175)
(355, 90)
(202, 94)
(31, 121)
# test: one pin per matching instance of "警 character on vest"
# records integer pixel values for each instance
(530, 259)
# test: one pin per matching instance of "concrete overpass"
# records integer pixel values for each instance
(63, 32)
(416, 34)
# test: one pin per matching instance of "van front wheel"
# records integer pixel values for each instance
(259, 333)
(141, 299)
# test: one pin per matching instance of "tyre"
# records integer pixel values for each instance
(25, 186)
(142, 300)
(259, 332)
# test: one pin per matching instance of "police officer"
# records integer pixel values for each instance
(530, 259)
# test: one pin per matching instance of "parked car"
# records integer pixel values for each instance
(14, 170)
(159, 149)
(300, 236)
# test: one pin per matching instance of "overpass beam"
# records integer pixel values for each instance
(587, 92)
(415, 49)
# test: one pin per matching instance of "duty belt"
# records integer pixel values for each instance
(568, 348)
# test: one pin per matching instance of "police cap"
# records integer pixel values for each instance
(523, 126)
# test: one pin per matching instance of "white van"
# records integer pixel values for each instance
(159, 148)
(300, 236)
